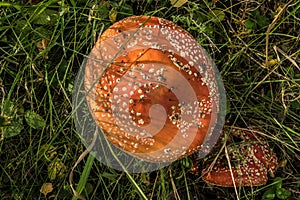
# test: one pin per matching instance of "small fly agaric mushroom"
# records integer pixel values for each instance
(153, 90)
(251, 160)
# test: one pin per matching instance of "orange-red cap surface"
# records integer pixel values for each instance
(152, 89)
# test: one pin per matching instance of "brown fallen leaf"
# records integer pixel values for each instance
(42, 45)
(46, 188)
(178, 3)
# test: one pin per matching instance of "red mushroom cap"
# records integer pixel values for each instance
(152, 89)
(250, 160)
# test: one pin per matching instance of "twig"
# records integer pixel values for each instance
(287, 56)
(231, 173)
(176, 195)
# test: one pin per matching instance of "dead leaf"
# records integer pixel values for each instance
(178, 3)
(46, 188)
(42, 45)
(56, 169)
(271, 63)
(113, 15)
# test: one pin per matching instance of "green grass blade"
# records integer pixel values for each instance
(84, 176)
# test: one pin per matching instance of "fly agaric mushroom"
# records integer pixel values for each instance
(251, 160)
(153, 90)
